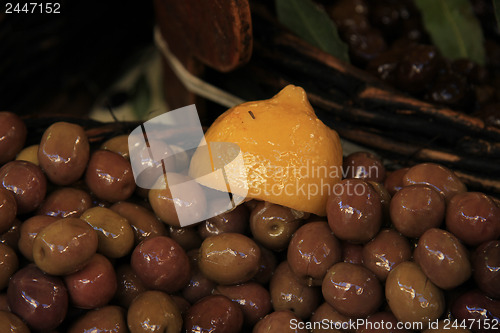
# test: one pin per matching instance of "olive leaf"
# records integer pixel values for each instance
(141, 97)
(312, 23)
(454, 28)
(496, 6)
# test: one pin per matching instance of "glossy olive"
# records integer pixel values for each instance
(352, 253)
(64, 152)
(8, 209)
(486, 267)
(65, 246)
(66, 202)
(267, 265)
(129, 285)
(116, 237)
(215, 313)
(28, 231)
(12, 136)
(8, 264)
(110, 318)
(187, 237)
(283, 321)
(477, 309)
(117, 144)
(235, 220)
(326, 312)
(11, 237)
(363, 165)
(394, 180)
(11, 323)
(381, 322)
(199, 285)
(229, 258)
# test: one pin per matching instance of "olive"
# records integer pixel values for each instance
(352, 253)
(283, 321)
(29, 154)
(199, 286)
(9, 322)
(394, 180)
(473, 217)
(117, 144)
(66, 202)
(254, 300)
(288, 293)
(39, 299)
(235, 220)
(443, 258)
(335, 321)
(477, 309)
(381, 322)
(417, 208)
(312, 251)
(388, 249)
(267, 265)
(8, 210)
(154, 311)
(94, 285)
(27, 182)
(161, 264)
(354, 211)
(64, 152)
(486, 267)
(143, 222)
(28, 231)
(106, 319)
(64, 246)
(109, 176)
(441, 178)
(273, 225)
(11, 237)
(352, 290)
(187, 237)
(363, 165)
(411, 296)
(229, 258)
(116, 237)
(215, 313)
(128, 285)
(8, 264)
(418, 67)
(12, 136)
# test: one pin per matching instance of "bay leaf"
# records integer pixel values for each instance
(453, 28)
(310, 22)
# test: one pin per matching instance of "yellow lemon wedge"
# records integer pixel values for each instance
(291, 158)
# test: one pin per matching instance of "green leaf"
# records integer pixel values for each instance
(141, 97)
(454, 28)
(496, 6)
(312, 23)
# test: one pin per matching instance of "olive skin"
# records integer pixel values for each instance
(28, 231)
(282, 321)
(9, 322)
(8, 209)
(312, 251)
(476, 308)
(352, 290)
(443, 258)
(154, 311)
(13, 134)
(229, 258)
(364, 165)
(66, 202)
(161, 264)
(215, 313)
(199, 285)
(411, 296)
(39, 299)
(8, 264)
(64, 246)
(128, 285)
(485, 262)
(64, 152)
(110, 318)
(326, 312)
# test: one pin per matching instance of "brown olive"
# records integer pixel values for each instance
(473, 217)
(273, 225)
(11, 236)
(28, 231)
(352, 290)
(181, 303)
(199, 286)
(29, 154)
(64, 246)
(441, 178)
(8, 210)
(385, 251)
(381, 322)
(129, 285)
(283, 321)
(215, 313)
(109, 176)
(312, 251)
(11, 323)
(352, 253)
(8, 264)
(267, 264)
(354, 211)
(117, 144)
(229, 258)
(144, 223)
(154, 311)
(187, 237)
(476, 309)
(12, 136)
(411, 296)
(4, 303)
(106, 319)
(336, 322)
(363, 165)
(190, 204)
(64, 152)
(288, 293)
(254, 300)
(443, 259)
(486, 267)
(385, 200)
(417, 208)
(394, 180)
(27, 182)
(235, 221)
(66, 202)
(41, 300)
(161, 264)
(94, 285)
(116, 237)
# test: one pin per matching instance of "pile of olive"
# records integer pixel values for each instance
(82, 249)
